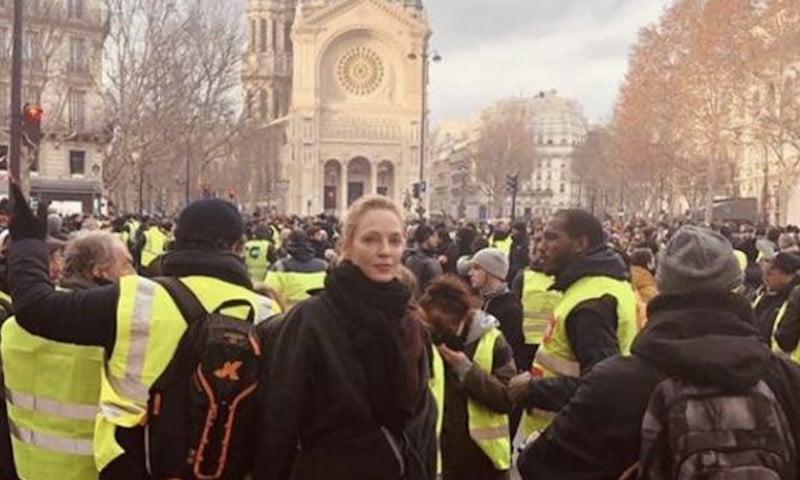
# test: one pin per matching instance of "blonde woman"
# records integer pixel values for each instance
(346, 395)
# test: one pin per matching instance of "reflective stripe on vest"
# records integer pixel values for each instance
(72, 446)
(558, 366)
(487, 428)
(555, 356)
(130, 383)
(538, 303)
(436, 384)
(77, 411)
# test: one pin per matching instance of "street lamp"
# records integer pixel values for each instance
(426, 59)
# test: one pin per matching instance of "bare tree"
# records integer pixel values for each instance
(172, 82)
(506, 146)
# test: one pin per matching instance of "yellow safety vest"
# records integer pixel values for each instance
(487, 428)
(149, 327)
(780, 313)
(555, 357)
(124, 236)
(502, 245)
(154, 241)
(538, 304)
(52, 393)
(255, 257)
(294, 286)
(436, 384)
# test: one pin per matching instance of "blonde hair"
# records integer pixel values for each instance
(361, 207)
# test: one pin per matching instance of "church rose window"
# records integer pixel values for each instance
(360, 71)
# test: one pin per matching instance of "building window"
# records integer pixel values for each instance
(31, 49)
(77, 162)
(287, 37)
(5, 42)
(274, 38)
(248, 105)
(77, 110)
(3, 157)
(276, 107)
(5, 118)
(253, 35)
(75, 9)
(263, 105)
(562, 188)
(262, 36)
(77, 54)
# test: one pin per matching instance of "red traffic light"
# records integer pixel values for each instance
(32, 113)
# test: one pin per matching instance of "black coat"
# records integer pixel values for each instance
(507, 309)
(316, 397)
(707, 340)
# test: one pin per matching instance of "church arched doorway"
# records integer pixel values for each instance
(385, 179)
(358, 178)
(332, 182)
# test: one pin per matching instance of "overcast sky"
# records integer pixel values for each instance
(496, 48)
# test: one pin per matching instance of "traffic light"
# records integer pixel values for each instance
(32, 124)
(415, 189)
(512, 182)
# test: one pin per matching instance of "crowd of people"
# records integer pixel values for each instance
(222, 345)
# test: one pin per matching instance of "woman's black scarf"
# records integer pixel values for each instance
(225, 266)
(373, 315)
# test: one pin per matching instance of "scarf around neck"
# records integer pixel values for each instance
(373, 315)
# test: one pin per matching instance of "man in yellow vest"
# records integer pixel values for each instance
(532, 286)
(259, 253)
(471, 368)
(151, 242)
(595, 319)
(299, 273)
(52, 389)
(772, 302)
(137, 323)
(501, 238)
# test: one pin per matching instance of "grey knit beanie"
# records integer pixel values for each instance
(697, 259)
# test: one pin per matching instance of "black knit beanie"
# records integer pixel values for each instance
(209, 221)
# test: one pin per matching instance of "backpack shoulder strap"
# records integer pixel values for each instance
(189, 305)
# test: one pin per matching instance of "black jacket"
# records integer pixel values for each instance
(591, 326)
(317, 397)
(767, 310)
(507, 309)
(705, 339)
(518, 256)
(787, 334)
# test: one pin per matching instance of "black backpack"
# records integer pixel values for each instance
(693, 432)
(201, 421)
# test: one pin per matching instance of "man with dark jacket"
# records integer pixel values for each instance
(421, 260)
(518, 256)
(294, 277)
(700, 332)
(487, 272)
(139, 326)
(771, 303)
(595, 319)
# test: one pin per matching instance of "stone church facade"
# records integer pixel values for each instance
(343, 80)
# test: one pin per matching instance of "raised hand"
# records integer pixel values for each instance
(24, 224)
